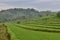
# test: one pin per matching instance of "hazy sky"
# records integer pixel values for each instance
(38, 4)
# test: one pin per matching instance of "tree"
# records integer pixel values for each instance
(40, 15)
(58, 14)
(18, 22)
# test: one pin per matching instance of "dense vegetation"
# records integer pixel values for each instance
(42, 28)
(30, 24)
(18, 33)
(22, 14)
(58, 14)
(4, 35)
(47, 23)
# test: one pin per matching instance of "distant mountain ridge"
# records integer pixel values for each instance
(20, 13)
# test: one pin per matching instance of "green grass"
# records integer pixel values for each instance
(44, 23)
(18, 33)
(48, 22)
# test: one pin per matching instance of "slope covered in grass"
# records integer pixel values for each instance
(18, 33)
(45, 22)
(27, 30)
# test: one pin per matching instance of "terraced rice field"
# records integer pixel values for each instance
(44, 23)
(18, 33)
(37, 29)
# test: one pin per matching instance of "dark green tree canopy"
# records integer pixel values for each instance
(58, 14)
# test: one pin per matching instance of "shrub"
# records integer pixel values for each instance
(58, 14)
(18, 22)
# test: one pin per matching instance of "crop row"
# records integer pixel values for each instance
(39, 29)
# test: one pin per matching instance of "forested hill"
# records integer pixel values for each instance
(20, 13)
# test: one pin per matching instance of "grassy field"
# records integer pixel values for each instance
(18, 33)
(21, 32)
(49, 22)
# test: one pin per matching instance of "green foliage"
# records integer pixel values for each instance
(44, 22)
(4, 32)
(58, 14)
(27, 30)
(21, 14)
(17, 13)
(18, 33)
(18, 22)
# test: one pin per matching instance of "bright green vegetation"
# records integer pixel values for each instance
(21, 31)
(18, 33)
(30, 24)
(44, 22)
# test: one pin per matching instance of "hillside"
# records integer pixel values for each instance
(33, 29)
(43, 23)
(22, 14)
(30, 24)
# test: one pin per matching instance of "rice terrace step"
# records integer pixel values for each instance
(4, 35)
